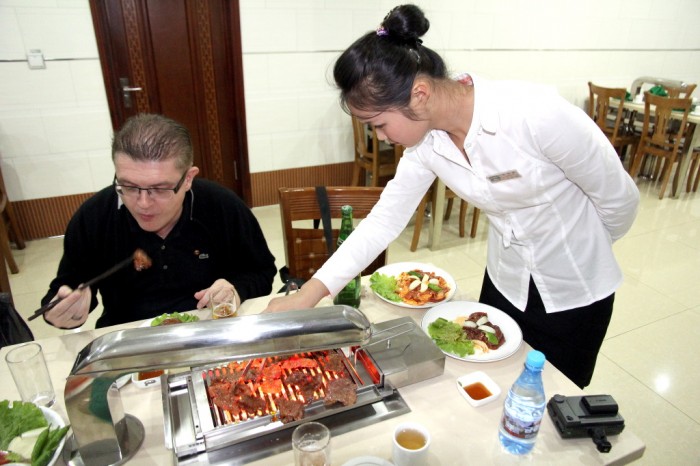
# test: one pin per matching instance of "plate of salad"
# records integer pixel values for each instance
(414, 285)
(471, 331)
(30, 434)
(171, 318)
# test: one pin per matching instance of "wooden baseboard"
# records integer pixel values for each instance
(46, 217)
(266, 184)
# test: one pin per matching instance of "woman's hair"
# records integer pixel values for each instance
(377, 71)
(149, 137)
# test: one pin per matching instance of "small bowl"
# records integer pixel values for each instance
(478, 388)
(145, 383)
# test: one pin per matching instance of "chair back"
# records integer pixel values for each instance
(663, 133)
(680, 92)
(600, 109)
(305, 246)
(370, 156)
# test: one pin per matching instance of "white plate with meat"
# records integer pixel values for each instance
(170, 319)
(419, 285)
(457, 310)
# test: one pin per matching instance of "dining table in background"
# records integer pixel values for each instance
(459, 431)
(694, 138)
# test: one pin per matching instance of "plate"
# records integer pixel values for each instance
(510, 329)
(147, 323)
(54, 420)
(368, 461)
(395, 269)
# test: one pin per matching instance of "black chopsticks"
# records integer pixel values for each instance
(44, 309)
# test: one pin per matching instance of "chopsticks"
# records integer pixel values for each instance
(137, 254)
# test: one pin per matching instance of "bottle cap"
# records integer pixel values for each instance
(535, 359)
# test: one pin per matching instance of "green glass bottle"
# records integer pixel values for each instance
(349, 295)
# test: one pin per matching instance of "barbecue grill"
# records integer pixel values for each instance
(269, 357)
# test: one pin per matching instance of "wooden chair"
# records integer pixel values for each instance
(370, 157)
(305, 246)
(680, 92)
(693, 171)
(609, 115)
(8, 229)
(450, 196)
(661, 139)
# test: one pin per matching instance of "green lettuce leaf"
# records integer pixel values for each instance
(384, 286)
(17, 419)
(450, 337)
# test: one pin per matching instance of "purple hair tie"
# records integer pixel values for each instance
(381, 31)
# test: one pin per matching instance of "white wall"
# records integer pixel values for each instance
(54, 123)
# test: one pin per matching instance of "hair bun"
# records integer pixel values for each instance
(406, 23)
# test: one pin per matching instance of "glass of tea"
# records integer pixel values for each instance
(222, 302)
(411, 442)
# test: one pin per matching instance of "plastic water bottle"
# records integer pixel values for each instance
(523, 408)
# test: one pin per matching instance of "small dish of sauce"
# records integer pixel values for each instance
(477, 391)
(478, 388)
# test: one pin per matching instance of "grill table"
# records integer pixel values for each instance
(435, 403)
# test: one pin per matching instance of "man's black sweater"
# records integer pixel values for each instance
(217, 236)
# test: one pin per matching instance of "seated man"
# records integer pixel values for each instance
(200, 236)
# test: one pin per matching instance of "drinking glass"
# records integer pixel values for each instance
(222, 302)
(312, 445)
(28, 368)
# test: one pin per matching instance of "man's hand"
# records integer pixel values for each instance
(307, 297)
(221, 289)
(73, 311)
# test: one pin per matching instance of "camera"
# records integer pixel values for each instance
(594, 416)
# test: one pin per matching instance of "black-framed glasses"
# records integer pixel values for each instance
(157, 194)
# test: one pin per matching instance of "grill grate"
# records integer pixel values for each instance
(236, 395)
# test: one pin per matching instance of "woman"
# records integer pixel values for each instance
(551, 184)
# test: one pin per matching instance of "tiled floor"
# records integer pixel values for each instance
(648, 361)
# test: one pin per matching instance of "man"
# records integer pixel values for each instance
(202, 239)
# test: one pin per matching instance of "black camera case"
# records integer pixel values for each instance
(592, 416)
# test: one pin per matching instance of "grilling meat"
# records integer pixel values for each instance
(273, 371)
(335, 363)
(342, 391)
(252, 404)
(306, 383)
(272, 386)
(288, 382)
(299, 363)
(290, 410)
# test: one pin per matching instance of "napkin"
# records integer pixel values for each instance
(658, 90)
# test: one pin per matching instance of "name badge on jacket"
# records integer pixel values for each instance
(505, 176)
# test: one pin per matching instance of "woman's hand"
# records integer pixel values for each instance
(307, 297)
(73, 310)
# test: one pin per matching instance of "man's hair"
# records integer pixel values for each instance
(149, 137)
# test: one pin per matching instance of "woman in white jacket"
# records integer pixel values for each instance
(551, 184)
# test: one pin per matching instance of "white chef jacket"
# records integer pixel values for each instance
(552, 185)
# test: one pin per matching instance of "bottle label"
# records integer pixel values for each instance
(519, 428)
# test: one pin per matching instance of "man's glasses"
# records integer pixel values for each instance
(157, 194)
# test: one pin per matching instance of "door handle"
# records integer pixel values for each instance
(127, 90)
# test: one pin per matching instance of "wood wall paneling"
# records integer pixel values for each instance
(46, 217)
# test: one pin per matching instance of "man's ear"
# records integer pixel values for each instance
(191, 173)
